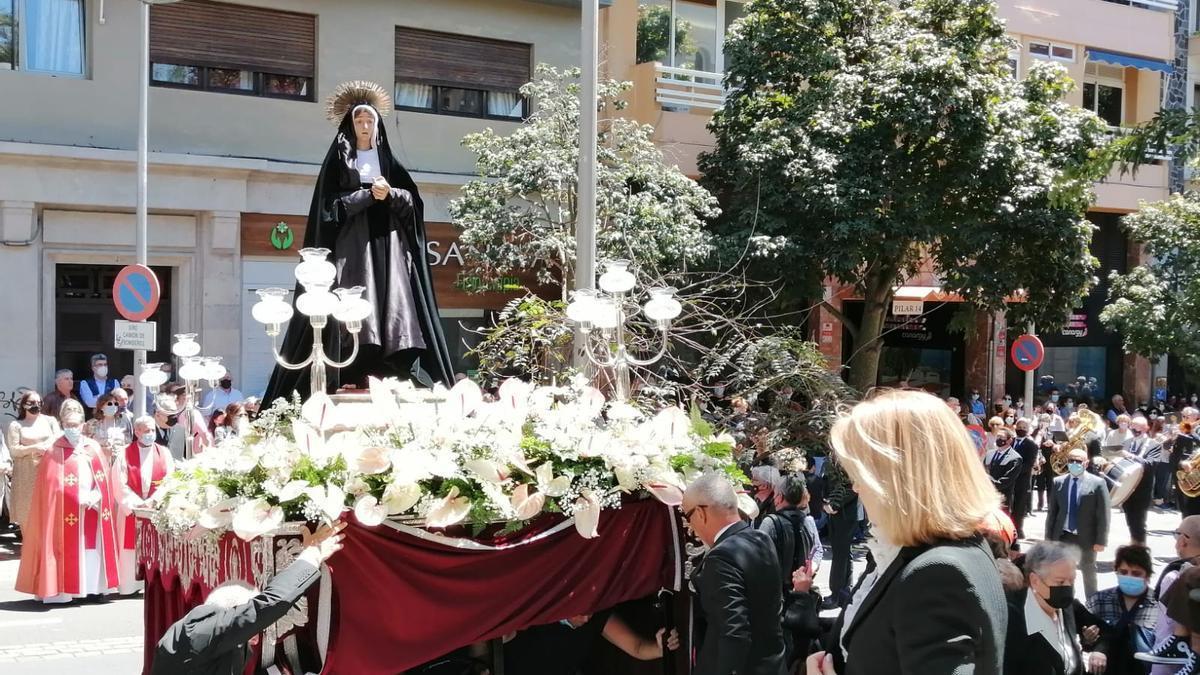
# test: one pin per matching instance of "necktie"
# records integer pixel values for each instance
(1073, 507)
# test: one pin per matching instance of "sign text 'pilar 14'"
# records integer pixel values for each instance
(136, 293)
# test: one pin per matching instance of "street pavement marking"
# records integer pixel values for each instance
(46, 651)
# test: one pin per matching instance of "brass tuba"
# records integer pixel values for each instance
(1088, 424)
(1188, 476)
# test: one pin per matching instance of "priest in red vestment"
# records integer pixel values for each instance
(137, 473)
(70, 537)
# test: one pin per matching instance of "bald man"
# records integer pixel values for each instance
(1187, 548)
(1078, 514)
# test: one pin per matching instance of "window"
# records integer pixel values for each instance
(686, 33)
(43, 36)
(1104, 92)
(462, 75)
(1050, 50)
(1014, 63)
(234, 49)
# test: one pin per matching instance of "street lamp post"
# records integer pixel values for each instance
(317, 302)
(141, 246)
(607, 311)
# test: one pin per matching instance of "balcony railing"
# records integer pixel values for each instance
(1163, 5)
(1117, 132)
(684, 88)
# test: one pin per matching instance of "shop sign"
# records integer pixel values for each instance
(908, 307)
(282, 236)
(909, 328)
(1077, 325)
(135, 335)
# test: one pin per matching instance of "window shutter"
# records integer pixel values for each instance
(460, 60)
(216, 34)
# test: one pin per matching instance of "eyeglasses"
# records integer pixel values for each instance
(687, 515)
(1075, 461)
(1177, 533)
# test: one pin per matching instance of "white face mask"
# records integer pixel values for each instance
(110, 410)
(101, 371)
(73, 434)
(147, 439)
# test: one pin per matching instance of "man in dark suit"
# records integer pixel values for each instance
(1022, 502)
(1078, 514)
(1004, 466)
(216, 638)
(1144, 450)
(739, 585)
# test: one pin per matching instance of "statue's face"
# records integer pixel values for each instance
(364, 128)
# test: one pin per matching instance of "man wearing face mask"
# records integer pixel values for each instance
(222, 396)
(70, 537)
(167, 431)
(1144, 450)
(977, 407)
(1042, 638)
(1028, 449)
(92, 388)
(1004, 466)
(138, 470)
(1078, 514)
(1127, 613)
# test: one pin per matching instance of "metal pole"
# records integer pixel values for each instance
(1029, 383)
(585, 218)
(585, 208)
(139, 356)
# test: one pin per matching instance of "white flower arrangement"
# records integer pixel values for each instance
(443, 457)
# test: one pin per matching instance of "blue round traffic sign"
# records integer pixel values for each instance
(1028, 353)
(136, 292)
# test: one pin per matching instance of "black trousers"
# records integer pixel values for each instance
(1022, 499)
(841, 532)
(1135, 518)
(1162, 480)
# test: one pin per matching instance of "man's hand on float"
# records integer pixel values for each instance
(322, 544)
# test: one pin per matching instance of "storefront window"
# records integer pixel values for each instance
(925, 369)
(1077, 372)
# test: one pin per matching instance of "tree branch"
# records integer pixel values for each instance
(841, 316)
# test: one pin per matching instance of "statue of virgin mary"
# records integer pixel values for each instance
(367, 210)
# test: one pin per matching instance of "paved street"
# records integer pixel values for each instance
(106, 639)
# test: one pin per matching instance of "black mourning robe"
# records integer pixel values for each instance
(379, 245)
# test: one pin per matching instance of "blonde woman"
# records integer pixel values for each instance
(934, 603)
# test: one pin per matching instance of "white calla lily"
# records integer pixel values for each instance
(368, 511)
(320, 412)
(256, 518)
(587, 515)
(487, 470)
(218, 515)
(526, 505)
(400, 498)
(330, 500)
(547, 482)
(449, 510)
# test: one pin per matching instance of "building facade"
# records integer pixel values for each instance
(1121, 54)
(237, 132)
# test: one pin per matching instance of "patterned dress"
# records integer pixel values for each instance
(27, 440)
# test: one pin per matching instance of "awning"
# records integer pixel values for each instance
(939, 294)
(1115, 59)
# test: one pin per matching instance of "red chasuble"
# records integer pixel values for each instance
(158, 456)
(54, 535)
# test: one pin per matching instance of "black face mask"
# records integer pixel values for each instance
(1061, 597)
(34, 409)
(225, 384)
(172, 420)
(1022, 433)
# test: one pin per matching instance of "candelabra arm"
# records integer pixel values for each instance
(590, 349)
(662, 350)
(283, 362)
(348, 361)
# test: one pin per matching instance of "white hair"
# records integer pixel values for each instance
(231, 594)
(1047, 553)
(145, 421)
(714, 490)
(767, 474)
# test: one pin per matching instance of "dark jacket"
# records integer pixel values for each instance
(1027, 448)
(1093, 510)
(213, 639)
(1145, 450)
(935, 610)
(1004, 466)
(739, 591)
(1031, 654)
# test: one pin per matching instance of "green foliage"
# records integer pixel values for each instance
(529, 338)
(519, 216)
(864, 137)
(1156, 306)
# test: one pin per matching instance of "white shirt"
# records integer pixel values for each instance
(367, 163)
(219, 399)
(1051, 629)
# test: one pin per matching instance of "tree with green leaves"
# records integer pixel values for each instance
(862, 139)
(1156, 305)
(654, 35)
(520, 214)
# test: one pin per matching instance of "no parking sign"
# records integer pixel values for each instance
(136, 292)
(1028, 353)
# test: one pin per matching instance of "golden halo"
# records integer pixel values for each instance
(357, 92)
